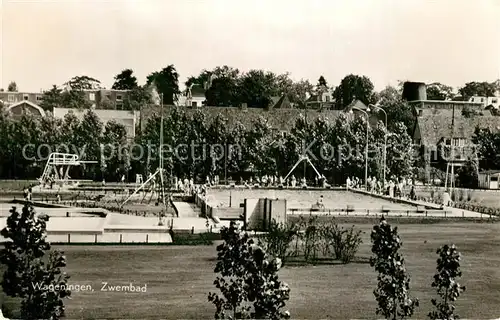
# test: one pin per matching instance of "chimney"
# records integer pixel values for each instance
(414, 91)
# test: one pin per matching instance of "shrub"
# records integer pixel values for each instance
(448, 271)
(277, 241)
(311, 243)
(342, 243)
(248, 277)
(392, 292)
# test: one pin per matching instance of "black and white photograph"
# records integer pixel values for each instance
(249, 159)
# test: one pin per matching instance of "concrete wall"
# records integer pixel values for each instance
(259, 213)
(278, 210)
(253, 209)
(111, 236)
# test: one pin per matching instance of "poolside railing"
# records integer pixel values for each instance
(374, 212)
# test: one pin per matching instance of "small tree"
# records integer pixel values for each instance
(277, 241)
(342, 243)
(39, 282)
(248, 276)
(392, 292)
(445, 280)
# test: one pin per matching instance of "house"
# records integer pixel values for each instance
(280, 103)
(10, 98)
(374, 117)
(25, 107)
(444, 130)
(129, 119)
(489, 179)
(99, 98)
(323, 98)
(194, 96)
(487, 102)
(107, 98)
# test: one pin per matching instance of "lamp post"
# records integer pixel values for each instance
(385, 137)
(366, 147)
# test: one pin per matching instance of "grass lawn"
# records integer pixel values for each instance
(179, 278)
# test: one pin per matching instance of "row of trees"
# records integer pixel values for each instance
(199, 147)
(335, 147)
(26, 144)
(250, 288)
(220, 148)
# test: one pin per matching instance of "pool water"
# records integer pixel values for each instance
(304, 199)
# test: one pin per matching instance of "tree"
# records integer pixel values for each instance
(392, 292)
(51, 99)
(488, 148)
(75, 99)
(223, 92)
(277, 240)
(300, 92)
(115, 151)
(260, 147)
(438, 91)
(167, 83)
(400, 152)
(12, 87)
(80, 83)
(482, 89)
(467, 174)
(125, 80)
(353, 87)
(257, 87)
(87, 139)
(247, 277)
(203, 79)
(220, 84)
(445, 281)
(137, 98)
(34, 271)
(398, 111)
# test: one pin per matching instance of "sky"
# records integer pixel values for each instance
(449, 41)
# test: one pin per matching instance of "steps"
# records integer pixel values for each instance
(187, 210)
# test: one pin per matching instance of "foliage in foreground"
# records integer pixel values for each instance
(248, 277)
(33, 270)
(310, 237)
(392, 292)
(445, 281)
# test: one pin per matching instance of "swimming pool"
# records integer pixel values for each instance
(303, 199)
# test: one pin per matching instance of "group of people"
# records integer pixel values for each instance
(275, 181)
(395, 187)
(185, 185)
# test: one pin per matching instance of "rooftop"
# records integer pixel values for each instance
(437, 124)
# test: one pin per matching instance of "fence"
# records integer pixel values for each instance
(395, 213)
